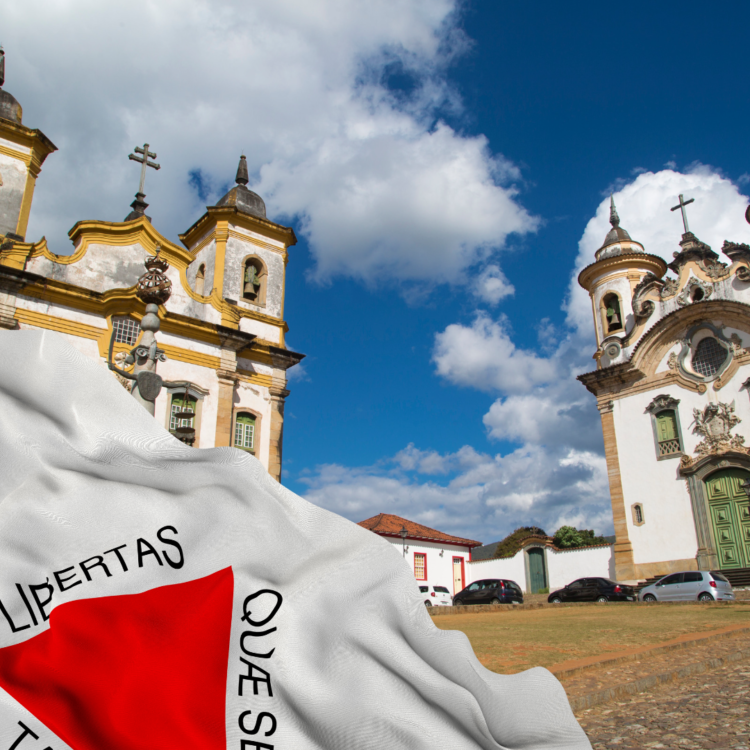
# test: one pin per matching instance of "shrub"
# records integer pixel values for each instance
(568, 537)
(512, 543)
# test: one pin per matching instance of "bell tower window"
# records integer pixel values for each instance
(612, 313)
(254, 276)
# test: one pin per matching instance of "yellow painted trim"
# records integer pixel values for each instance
(28, 196)
(255, 241)
(13, 154)
(203, 243)
(256, 378)
(221, 234)
(179, 354)
(63, 325)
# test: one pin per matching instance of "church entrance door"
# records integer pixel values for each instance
(729, 509)
(537, 573)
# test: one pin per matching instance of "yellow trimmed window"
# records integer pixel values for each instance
(244, 432)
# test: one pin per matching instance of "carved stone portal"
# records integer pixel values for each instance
(714, 424)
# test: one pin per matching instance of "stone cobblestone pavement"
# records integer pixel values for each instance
(708, 711)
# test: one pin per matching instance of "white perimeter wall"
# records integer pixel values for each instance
(562, 566)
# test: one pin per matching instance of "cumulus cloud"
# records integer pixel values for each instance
(380, 186)
(491, 285)
(486, 497)
(483, 356)
(557, 475)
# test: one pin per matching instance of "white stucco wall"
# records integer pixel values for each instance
(563, 566)
(13, 173)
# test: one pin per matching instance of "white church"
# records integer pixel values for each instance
(671, 383)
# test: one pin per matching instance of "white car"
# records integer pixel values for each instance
(436, 596)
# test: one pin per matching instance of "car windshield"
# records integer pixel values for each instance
(441, 590)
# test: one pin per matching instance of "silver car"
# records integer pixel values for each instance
(692, 585)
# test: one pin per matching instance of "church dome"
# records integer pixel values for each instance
(615, 236)
(241, 197)
(10, 109)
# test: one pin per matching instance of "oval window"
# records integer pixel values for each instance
(709, 356)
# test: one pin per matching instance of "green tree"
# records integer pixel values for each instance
(568, 537)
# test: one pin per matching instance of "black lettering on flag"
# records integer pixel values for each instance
(26, 602)
(258, 721)
(13, 627)
(249, 653)
(116, 550)
(26, 731)
(150, 551)
(266, 679)
(98, 564)
(246, 613)
(42, 604)
(257, 745)
(60, 580)
(169, 560)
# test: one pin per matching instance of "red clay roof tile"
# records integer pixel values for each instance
(387, 524)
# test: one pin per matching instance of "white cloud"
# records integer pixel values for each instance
(381, 187)
(491, 285)
(483, 356)
(488, 496)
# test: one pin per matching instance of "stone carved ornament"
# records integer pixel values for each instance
(685, 296)
(714, 269)
(714, 424)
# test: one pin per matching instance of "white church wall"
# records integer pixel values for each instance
(206, 256)
(60, 312)
(14, 174)
(262, 330)
(103, 267)
(668, 532)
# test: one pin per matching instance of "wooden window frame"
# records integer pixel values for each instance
(258, 421)
(661, 404)
(423, 555)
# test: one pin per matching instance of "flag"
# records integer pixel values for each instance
(158, 596)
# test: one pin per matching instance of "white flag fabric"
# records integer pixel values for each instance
(154, 596)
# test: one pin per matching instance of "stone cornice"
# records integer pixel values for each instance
(642, 261)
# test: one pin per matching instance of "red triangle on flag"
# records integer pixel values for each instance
(131, 672)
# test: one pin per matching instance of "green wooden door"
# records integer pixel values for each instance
(729, 510)
(537, 573)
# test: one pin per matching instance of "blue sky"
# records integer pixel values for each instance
(446, 167)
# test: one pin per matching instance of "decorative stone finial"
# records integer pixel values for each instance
(614, 219)
(242, 177)
(154, 287)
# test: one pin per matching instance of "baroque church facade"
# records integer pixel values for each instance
(672, 385)
(222, 330)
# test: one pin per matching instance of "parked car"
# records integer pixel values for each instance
(703, 585)
(436, 596)
(593, 590)
(490, 591)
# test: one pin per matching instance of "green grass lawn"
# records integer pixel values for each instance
(512, 641)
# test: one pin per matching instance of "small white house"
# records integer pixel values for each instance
(439, 558)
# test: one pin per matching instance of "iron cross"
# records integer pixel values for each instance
(681, 206)
(143, 160)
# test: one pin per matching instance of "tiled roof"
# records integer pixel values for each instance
(390, 525)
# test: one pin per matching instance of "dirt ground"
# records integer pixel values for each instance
(511, 641)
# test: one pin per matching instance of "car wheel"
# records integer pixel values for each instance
(555, 600)
(705, 598)
(649, 598)
(495, 601)
(428, 604)
(602, 599)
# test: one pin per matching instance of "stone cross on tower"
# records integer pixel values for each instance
(681, 205)
(138, 205)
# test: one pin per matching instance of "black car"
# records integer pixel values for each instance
(490, 591)
(593, 590)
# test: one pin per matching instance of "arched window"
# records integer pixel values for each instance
(254, 280)
(244, 431)
(200, 279)
(612, 313)
(709, 357)
(638, 517)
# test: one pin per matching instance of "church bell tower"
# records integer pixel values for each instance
(22, 153)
